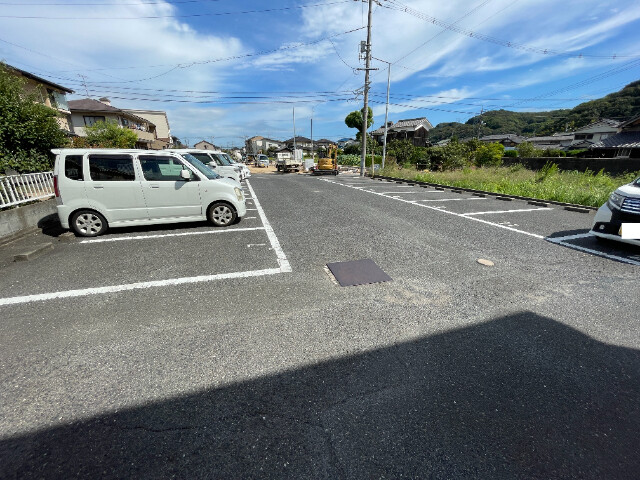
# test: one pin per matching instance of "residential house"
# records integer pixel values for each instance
(86, 112)
(343, 142)
(204, 145)
(552, 142)
(163, 130)
(625, 144)
(509, 140)
(48, 93)
(414, 129)
(260, 144)
(302, 143)
(594, 133)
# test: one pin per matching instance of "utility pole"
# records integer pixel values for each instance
(386, 112)
(480, 121)
(312, 156)
(294, 134)
(365, 110)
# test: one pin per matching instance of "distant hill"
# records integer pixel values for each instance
(620, 105)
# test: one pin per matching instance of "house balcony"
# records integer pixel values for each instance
(146, 137)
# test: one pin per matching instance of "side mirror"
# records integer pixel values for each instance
(185, 174)
(212, 164)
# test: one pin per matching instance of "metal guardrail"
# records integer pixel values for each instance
(18, 189)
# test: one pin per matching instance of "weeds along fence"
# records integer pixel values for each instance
(19, 189)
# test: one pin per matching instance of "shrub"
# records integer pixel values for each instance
(110, 135)
(527, 150)
(402, 150)
(550, 152)
(455, 156)
(575, 153)
(489, 155)
(511, 153)
(349, 160)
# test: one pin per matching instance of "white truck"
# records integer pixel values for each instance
(287, 161)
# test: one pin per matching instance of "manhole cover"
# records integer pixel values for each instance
(358, 272)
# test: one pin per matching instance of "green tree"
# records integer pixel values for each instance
(489, 155)
(527, 150)
(354, 119)
(28, 130)
(402, 150)
(110, 135)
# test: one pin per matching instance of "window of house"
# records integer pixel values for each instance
(73, 167)
(58, 100)
(89, 121)
(160, 168)
(111, 168)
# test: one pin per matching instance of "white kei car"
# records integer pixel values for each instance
(623, 206)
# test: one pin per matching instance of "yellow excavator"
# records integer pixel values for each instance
(328, 166)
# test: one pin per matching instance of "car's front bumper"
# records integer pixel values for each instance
(608, 221)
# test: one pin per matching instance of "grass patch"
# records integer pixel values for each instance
(588, 188)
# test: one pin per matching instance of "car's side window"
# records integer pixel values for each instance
(161, 168)
(111, 168)
(73, 167)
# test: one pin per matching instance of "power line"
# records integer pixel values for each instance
(397, 6)
(141, 2)
(189, 15)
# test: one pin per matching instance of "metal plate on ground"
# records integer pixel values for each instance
(358, 272)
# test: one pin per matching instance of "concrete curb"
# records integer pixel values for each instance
(499, 196)
(39, 250)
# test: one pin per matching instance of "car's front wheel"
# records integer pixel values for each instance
(221, 214)
(87, 223)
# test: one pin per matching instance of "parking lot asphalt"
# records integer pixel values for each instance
(189, 351)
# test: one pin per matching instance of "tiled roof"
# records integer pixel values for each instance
(379, 131)
(91, 105)
(505, 136)
(620, 140)
(299, 139)
(550, 139)
(38, 79)
(412, 122)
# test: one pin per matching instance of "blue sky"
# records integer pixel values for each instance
(224, 70)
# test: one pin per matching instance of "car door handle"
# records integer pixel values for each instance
(154, 185)
(98, 186)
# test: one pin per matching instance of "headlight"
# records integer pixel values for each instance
(616, 200)
(238, 193)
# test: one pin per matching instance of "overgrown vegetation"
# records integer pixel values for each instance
(28, 130)
(588, 188)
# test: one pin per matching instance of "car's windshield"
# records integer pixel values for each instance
(221, 159)
(203, 157)
(228, 157)
(201, 167)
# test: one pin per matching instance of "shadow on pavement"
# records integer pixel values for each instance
(521, 396)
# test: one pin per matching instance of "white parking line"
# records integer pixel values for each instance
(275, 244)
(534, 235)
(405, 192)
(165, 235)
(135, 286)
(563, 241)
(451, 199)
(507, 211)
(284, 267)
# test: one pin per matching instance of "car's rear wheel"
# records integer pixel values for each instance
(87, 223)
(221, 214)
